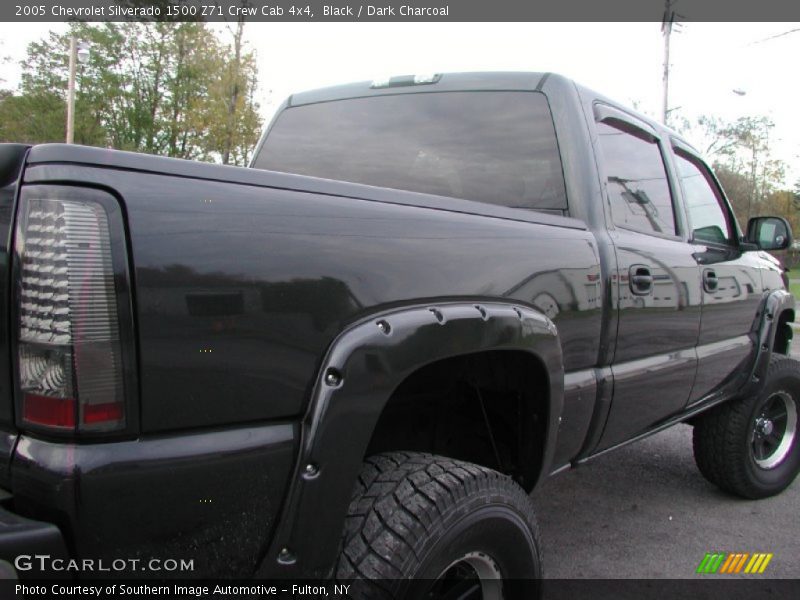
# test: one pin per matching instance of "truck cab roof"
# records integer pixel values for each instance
(469, 81)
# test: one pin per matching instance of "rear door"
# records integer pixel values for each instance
(731, 280)
(657, 280)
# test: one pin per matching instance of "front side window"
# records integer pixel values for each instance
(707, 211)
(637, 182)
(493, 147)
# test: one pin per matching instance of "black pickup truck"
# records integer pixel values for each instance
(355, 359)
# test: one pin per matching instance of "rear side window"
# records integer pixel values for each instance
(493, 147)
(637, 182)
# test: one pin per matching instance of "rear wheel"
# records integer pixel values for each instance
(749, 446)
(424, 526)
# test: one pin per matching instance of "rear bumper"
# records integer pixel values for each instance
(25, 538)
(207, 497)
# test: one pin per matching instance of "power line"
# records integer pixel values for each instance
(772, 37)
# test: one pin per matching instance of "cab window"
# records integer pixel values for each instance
(637, 184)
(708, 213)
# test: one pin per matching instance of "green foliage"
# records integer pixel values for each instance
(233, 118)
(742, 156)
(32, 119)
(753, 179)
(738, 189)
(160, 88)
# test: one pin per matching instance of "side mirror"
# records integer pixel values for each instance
(769, 233)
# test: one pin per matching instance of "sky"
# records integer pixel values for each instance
(621, 60)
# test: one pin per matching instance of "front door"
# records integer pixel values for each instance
(732, 286)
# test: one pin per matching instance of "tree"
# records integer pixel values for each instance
(783, 203)
(234, 121)
(741, 152)
(45, 74)
(148, 87)
(738, 189)
(32, 118)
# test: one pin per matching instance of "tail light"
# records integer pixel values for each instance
(71, 363)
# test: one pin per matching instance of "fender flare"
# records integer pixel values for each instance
(765, 329)
(358, 375)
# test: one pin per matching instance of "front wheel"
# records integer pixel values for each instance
(749, 446)
(424, 526)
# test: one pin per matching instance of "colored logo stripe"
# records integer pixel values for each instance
(758, 563)
(734, 562)
(711, 562)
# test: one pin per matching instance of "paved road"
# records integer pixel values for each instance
(796, 338)
(645, 511)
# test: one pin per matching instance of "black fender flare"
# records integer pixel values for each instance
(765, 329)
(751, 378)
(358, 375)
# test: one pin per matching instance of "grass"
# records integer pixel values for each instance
(794, 287)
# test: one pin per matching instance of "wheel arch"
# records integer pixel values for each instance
(361, 371)
(490, 408)
(770, 336)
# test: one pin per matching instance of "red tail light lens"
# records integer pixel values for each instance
(49, 411)
(70, 367)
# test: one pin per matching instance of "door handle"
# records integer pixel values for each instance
(710, 281)
(641, 280)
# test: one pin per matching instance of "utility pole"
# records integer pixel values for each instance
(73, 52)
(666, 29)
(78, 53)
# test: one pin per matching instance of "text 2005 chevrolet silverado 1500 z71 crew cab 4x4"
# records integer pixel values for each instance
(356, 359)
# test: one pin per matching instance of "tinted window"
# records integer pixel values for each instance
(637, 182)
(495, 147)
(708, 218)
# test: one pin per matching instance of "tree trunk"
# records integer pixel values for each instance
(234, 93)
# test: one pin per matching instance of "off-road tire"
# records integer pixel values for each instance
(724, 439)
(413, 515)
